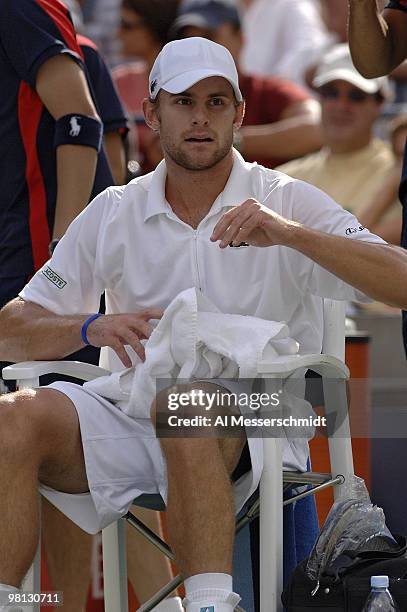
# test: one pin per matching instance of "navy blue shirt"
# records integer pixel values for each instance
(31, 32)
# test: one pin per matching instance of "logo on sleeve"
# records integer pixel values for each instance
(354, 230)
(75, 126)
(54, 278)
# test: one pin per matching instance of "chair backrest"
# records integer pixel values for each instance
(333, 342)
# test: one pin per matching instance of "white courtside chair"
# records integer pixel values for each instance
(330, 364)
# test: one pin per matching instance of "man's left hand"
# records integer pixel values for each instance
(253, 223)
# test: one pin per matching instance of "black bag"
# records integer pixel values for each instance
(346, 585)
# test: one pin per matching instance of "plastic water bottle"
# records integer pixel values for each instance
(380, 599)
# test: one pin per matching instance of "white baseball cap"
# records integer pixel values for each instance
(338, 65)
(182, 63)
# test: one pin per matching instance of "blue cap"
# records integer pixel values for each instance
(206, 14)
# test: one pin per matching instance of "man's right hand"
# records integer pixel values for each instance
(119, 330)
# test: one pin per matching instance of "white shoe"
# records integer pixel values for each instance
(173, 604)
(213, 606)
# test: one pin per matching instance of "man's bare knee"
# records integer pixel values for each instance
(42, 425)
(19, 434)
(40, 412)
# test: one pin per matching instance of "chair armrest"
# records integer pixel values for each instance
(33, 369)
(283, 366)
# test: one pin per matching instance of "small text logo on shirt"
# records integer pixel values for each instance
(75, 126)
(54, 278)
(353, 230)
(207, 609)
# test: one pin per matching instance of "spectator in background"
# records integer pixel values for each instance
(143, 31)
(353, 165)
(282, 38)
(282, 120)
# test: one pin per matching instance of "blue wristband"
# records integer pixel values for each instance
(86, 325)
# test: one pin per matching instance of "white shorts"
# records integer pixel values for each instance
(123, 460)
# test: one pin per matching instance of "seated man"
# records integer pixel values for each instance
(143, 244)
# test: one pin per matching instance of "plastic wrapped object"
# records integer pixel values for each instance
(353, 523)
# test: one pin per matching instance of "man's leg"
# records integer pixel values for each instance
(68, 553)
(200, 509)
(200, 506)
(68, 548)
(40, 440)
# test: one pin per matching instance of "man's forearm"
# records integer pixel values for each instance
(62, 86)
(379, 271)
(284, 140)
(370, 40)
(76, 167)
(30, 332)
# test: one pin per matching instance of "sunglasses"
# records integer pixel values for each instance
(131, 25)
(353, 95)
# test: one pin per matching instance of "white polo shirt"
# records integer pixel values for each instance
(130, 243)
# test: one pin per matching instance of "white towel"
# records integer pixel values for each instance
(194, 339)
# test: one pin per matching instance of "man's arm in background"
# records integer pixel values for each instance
(62, 87)
(378, 41)
(296, 134)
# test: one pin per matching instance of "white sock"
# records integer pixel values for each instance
(216, 587)
(6, 589)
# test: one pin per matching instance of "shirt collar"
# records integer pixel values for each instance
(236, 191)
(156, 202)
